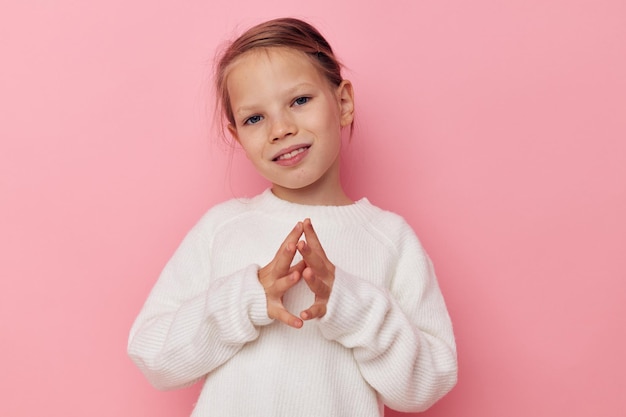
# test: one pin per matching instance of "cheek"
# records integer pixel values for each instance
(333, 115)
(249, 152)
(326, 119)
(251, 147)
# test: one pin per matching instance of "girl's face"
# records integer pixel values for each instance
(288, 119)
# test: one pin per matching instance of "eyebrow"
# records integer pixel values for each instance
(244, 110)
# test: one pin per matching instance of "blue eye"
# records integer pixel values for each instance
(252, 120)
(301, 100)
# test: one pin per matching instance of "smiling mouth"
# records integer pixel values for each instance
(291, 154)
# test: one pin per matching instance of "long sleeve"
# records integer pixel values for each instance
(189, 325)
(386, 336)
(401, 337)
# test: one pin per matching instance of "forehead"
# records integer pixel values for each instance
(286, 63)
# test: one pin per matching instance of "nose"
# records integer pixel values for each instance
(283, 126)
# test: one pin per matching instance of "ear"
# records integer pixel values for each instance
(233, 132)
(345, 96)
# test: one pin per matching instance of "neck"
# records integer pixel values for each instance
(325, 192)
(312, 197)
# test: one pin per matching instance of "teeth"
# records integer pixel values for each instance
(291, 154)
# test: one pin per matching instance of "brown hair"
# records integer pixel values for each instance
(282, 32)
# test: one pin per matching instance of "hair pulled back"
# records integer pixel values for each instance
(283, 32)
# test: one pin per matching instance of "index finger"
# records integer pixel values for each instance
(284, 255)
(311, 237)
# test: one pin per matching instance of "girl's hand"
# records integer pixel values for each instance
(277, 277)
(319, 273)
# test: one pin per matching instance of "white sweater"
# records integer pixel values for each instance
(386, 336)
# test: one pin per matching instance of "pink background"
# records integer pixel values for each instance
(498, 129)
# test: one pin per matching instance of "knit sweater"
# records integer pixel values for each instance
(386, 337)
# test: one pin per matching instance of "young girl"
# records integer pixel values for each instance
(278, 317)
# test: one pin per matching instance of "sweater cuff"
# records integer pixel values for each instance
(355, 308)
(254, 297)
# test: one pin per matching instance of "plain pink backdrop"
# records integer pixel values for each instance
(497, 129)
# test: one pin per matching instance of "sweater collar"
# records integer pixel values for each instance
(357, 212)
